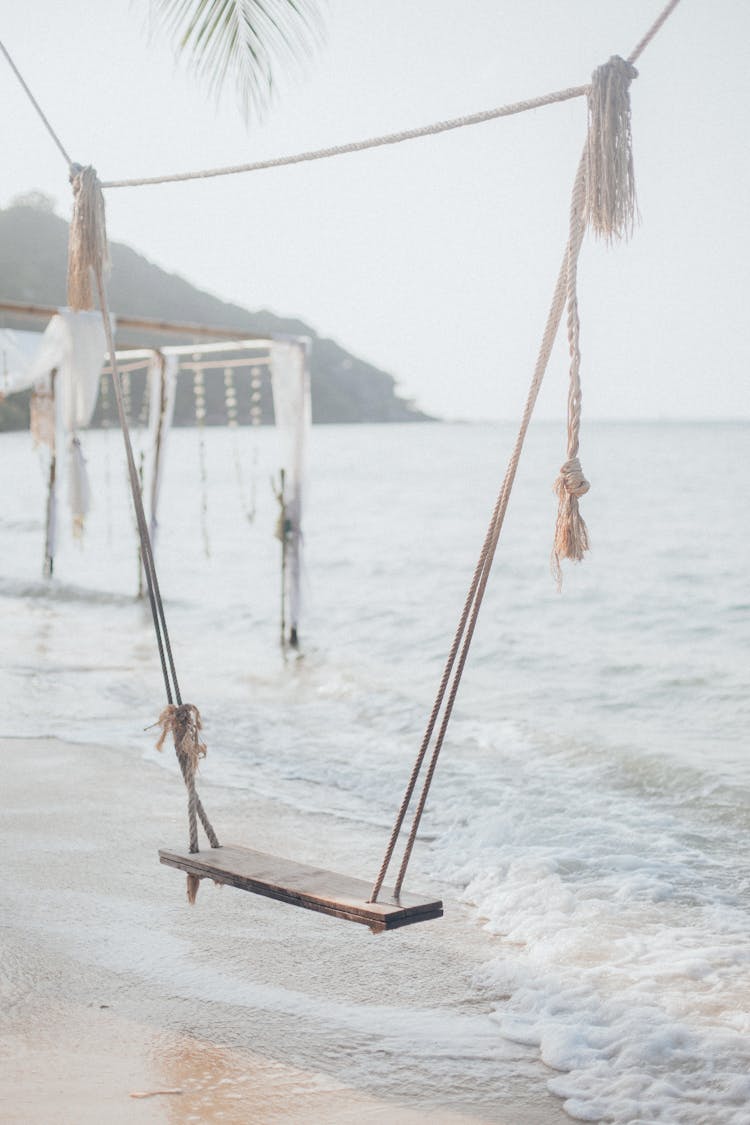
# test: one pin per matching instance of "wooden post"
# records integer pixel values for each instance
(49, 556)
(158, 438)
(283, 534)
(140, 556)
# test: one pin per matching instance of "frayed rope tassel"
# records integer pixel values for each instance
(571, 533)
(88, 253)
(184, 723)
(612, 209)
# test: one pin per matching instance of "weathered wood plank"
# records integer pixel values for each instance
(341, 896)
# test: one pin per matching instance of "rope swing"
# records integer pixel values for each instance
(603, 199)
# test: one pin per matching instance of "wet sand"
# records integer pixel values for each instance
(256, 1012)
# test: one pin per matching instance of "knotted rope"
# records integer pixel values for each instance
(88, 258)
(184, 723)
(571, 536)
(604, 199)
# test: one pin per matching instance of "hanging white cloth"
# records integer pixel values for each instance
(73, 346)
(17, 351)
(290, 384)
(162, 383)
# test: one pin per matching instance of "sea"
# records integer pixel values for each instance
(589, 820)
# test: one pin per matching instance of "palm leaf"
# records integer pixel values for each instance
(244, 40)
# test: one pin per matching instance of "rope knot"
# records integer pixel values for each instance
(611, 200)
(571, 533)
(615, 69)
(184, 723)
(571, 481)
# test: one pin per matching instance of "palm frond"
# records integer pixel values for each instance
(248, 41)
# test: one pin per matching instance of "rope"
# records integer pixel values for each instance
(573, 483)
(184, 724)
(452, 672)
(360, 146)
(353, 146)
(88, 254)
(164, 647)
(35, 104)
(656, 26)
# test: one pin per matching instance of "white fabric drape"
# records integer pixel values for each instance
(73, 345)
(290, 384)
(17, 351)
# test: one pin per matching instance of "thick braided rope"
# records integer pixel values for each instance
(656, 26)
(36, 105)
(476, 589)
(164, 647)
(184, 723)
(361, 146)
(202, 815)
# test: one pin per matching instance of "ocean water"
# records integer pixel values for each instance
(590, 814)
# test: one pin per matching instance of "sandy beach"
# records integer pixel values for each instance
(112, 986)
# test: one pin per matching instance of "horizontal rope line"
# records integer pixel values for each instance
(361, 146)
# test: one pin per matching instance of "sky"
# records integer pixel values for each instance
(434, 260)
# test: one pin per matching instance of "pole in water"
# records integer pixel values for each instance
(49, 550)
(282, 533)
(140, 552)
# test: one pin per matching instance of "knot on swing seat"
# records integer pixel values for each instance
(183, 722)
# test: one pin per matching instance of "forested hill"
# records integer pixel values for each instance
(33, 259)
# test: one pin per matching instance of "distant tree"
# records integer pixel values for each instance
(36, 200)
(246, 40)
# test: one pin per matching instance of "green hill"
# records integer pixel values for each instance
(33, 259)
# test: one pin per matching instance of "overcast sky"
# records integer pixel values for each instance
(435, 259)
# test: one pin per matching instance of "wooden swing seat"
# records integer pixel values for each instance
(342, 896)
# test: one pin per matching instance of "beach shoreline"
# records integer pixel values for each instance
(112, 985)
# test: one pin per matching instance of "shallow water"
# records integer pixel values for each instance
(591, 807)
